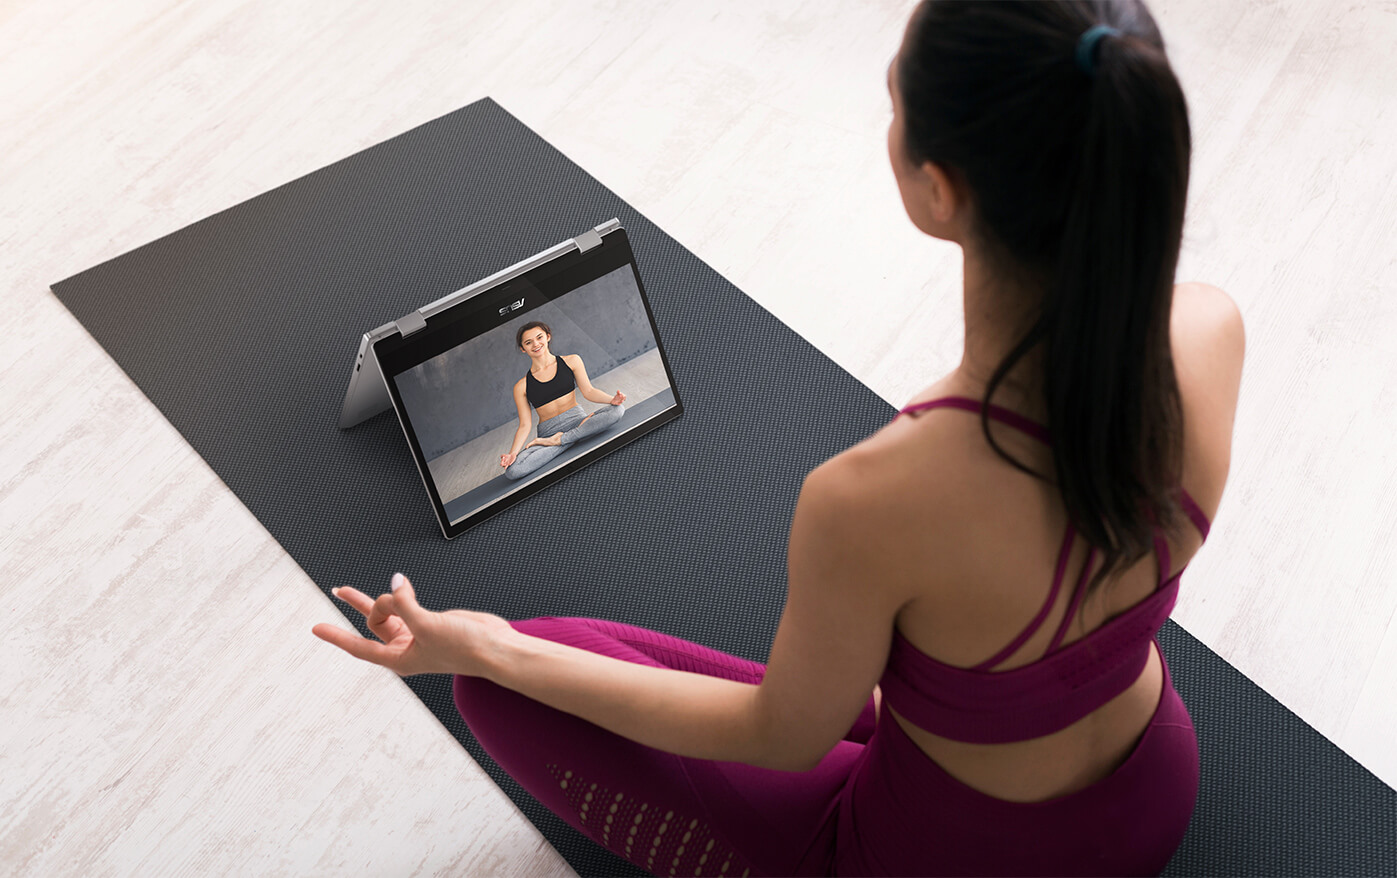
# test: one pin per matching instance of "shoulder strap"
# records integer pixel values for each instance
(1077, 594)
(1038, 431)
(999, 413)
(1033, 626)
(1195, 514)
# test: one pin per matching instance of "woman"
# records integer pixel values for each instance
(1031, 725)
(551, 387)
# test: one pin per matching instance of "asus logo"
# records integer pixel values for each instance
(512, 307)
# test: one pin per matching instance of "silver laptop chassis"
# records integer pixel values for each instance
(367, 394)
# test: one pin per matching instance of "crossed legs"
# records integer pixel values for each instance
(668, 814)
(535, 457)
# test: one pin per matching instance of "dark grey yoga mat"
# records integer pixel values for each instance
(241, 329)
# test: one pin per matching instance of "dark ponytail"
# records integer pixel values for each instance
(1079, 182)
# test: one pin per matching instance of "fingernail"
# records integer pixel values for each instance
(398, 579)
(335, 592)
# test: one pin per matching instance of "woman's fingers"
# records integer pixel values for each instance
(355, 598)
(382, 609)
(380, 614)
(385, 620)
(359, 647)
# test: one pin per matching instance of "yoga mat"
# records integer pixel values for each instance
(242, 327)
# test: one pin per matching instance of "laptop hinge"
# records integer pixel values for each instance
(587, 240)
(413, 322)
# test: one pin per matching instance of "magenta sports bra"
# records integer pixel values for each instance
(981, 706)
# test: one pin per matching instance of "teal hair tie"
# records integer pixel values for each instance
(1086, 46)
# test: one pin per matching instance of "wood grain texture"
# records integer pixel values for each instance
(164, 708)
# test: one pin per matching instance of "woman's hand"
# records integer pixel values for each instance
(507, 459)
(417, 640)
(618, 398)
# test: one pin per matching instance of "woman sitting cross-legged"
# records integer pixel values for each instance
(551, 387)
(965, 679)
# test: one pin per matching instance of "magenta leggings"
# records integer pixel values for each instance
(875, 805)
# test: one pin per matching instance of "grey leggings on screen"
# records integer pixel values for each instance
(535, 457)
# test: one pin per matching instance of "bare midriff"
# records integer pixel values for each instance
(556, 407)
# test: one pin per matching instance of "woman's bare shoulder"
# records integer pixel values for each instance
(1208, 344)
(910, 472)
(915, 504)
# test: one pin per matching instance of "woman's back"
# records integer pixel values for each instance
(1050, 141)
(982, 572)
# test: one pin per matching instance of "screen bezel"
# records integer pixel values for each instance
(480, 314)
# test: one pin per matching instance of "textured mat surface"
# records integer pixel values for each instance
(241, 328)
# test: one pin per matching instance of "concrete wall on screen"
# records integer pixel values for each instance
(465, 392)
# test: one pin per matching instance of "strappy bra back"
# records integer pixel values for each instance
(978, 705)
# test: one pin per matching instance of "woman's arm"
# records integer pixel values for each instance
(584, 384)
(677, 711)
(829, 652)
(830, 648)
(526, 421)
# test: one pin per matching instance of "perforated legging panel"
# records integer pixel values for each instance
(646, 834)
(667, 814)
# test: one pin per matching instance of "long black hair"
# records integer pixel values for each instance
(1077, 181)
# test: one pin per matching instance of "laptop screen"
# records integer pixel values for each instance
(530, 381)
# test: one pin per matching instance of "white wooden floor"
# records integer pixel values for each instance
(164, 708)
